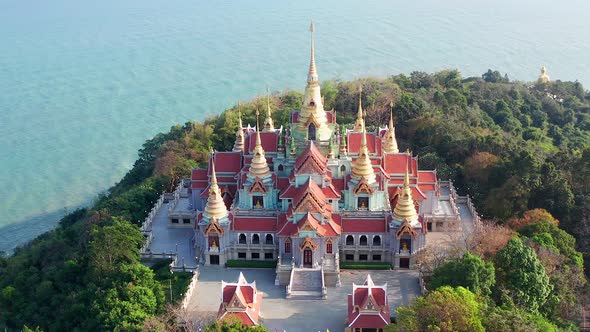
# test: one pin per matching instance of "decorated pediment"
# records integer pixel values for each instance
(371, 304)
(406, 228)
(363, 187)
(257, 187)
(308, 244)
(311, 119)
(309, 203)
(236, 303)
(214, 227)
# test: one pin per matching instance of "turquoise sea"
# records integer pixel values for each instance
(84, 83)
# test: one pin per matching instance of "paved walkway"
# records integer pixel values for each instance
(300, 315)
(172, 240)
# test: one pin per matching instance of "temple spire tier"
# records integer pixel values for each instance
(359, 124)
(215, 207)
(268, 123)
(362, 167)
(405, 208)
(239, 144)
(312, 120)
(389, 140)
(259, 166)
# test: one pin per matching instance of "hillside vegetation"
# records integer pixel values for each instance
(514, 147)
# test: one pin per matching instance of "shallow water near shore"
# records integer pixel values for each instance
(84, 84)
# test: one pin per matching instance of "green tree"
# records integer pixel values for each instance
(469, 271)
(520, 273)
(444, 309)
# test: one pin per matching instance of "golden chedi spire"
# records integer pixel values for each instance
(405, 209)
(362, 167)
(543, 78)
(268, 123)
(312, 111)
(359, 124)
(239, 144)
(258, 166)
(215, 207)
(389, 141)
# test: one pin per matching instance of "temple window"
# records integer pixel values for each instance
(268, 239)
(343, 169)
(349, 240)
(363, 257)
(242, 239)
(241, 255)
(349, 257)
(255, 255)
(287, 246)
(329, 247)
(363, 203)
(213, 241)
(363, 240)
(377, 258)
(268, 255)
(281, 168)
(255, 239)
(376, 240)
(312, 103)
(258, 202)
(311, 132)
(405, 244)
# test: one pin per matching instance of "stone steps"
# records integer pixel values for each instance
(306, 284)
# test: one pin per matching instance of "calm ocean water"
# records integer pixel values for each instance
(84, 83)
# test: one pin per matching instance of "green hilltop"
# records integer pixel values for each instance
(521, 150)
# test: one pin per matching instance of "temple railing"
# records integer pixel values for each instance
(191, 288)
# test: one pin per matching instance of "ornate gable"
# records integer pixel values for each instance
(309, 203)
(214, 227)
(363, 187)
(406, 228)
(236, 302)
(308, 244)
(257, 187)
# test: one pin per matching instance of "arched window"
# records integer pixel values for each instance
(281, 168)
(343, 169)
(311, 132)
(255, 239)
(242, 239)
(329, 247)
(287, 246)
(363, 240)
(376, 240)
(349, 240)
(268, 239)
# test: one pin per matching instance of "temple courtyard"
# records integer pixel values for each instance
(283, 314)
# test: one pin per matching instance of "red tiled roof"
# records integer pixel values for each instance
(416, 192)
(199, 174)
(354, 142)
(282, 183)
(362, 225)
(312, 188)
(427, 176)
(395, 163)
(269, 140)
(311, 158)
(230, 162)
(427, 187)
(338, 184)
(254, 224)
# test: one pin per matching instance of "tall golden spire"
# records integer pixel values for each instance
(239, 144)
(312, 75)
(359, 125)
(268, 123)
(215, 207)
(405, 209)
(362, 167)
(258, 166)
(389, 141)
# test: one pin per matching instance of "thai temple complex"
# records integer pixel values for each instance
(312, 194)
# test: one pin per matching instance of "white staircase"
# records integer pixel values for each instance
(306, 284)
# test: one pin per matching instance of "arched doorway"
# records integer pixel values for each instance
(307, 257)
(311, 132)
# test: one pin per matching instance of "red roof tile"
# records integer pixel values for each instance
(354, 142)
(427, 176)
(362, 225)
(230, 162)
(269, 140)
(254, 224)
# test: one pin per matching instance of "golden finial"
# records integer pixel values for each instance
(363, 168)
(389, 141)
(215, 207)
(312, 76)
(268, 123)
(258, 166)
(239, 143)
(405, 209)
(359, 124)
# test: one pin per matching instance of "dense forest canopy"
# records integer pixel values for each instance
(521, 150)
